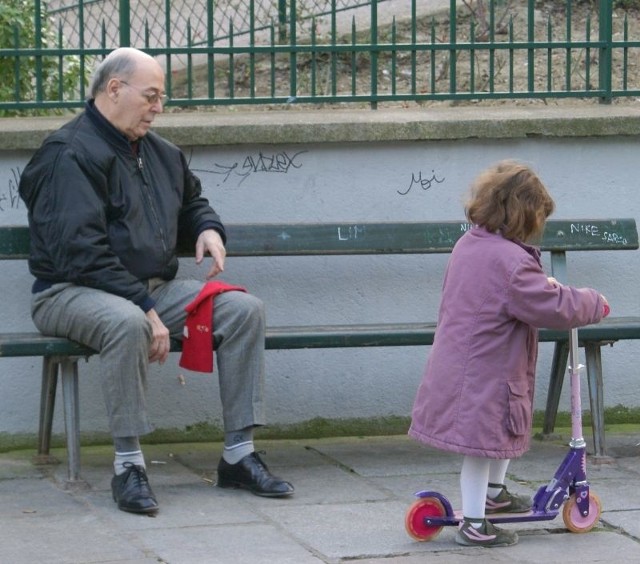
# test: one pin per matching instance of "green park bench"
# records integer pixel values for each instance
(60, 356)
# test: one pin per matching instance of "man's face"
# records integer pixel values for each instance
(140, 98)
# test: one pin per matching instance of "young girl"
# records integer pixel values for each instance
(476, 396)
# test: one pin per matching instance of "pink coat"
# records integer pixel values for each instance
(476, 396)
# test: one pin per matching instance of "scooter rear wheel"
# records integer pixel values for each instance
(575, 521)
(414, 519)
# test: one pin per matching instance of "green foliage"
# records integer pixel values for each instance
(61, 78)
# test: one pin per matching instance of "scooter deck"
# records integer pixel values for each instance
(530, 515)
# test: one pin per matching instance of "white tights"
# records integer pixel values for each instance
(475, 476)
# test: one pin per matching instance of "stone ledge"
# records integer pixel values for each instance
(340, 126)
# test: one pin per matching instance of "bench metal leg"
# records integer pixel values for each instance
(558, 369)
(593, 353)
(47, 407)
(71, 400)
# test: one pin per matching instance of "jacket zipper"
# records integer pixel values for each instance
(151, 203)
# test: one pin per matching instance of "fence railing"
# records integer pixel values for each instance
(326, 51)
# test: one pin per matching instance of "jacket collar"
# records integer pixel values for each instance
(105, 127)
(531, 249)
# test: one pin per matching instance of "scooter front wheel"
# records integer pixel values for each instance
(575, 521)
(415, 517)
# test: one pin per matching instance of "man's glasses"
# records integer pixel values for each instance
(151, 97)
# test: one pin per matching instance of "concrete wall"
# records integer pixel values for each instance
(351, 166)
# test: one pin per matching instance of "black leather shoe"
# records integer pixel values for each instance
(252, 474)
(132, 492)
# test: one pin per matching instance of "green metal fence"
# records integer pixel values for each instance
(150, 18)
(325, 51)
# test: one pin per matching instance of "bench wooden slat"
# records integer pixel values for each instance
(35, 344)
(276, 239)
(609, 329)
(335, 336)
(422, 334)
(14, 242)
(412, 237)
(330, 336)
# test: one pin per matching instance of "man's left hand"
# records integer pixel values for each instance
(210, 242)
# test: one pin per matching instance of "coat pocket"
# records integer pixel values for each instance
(519, 416)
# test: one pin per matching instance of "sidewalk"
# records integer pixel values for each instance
(350, 502)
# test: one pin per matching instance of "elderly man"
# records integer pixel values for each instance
(108, 200)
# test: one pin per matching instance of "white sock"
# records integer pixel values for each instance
(234, 454)
(135, 457)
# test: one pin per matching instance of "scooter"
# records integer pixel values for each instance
(568, 489)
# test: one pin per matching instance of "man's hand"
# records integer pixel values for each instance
(159, 349)
(209, 241)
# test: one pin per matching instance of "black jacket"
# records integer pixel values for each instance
(102, 216)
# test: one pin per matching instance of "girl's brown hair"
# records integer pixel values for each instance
(509, 197)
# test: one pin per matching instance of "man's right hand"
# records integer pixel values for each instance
(209, 241)
(159, 349)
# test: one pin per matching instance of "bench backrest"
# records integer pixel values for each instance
(279, 239)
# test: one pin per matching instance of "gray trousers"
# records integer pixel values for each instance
(120, 332)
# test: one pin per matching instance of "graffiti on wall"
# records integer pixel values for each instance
(261, 163)
(424, 182)
(9, 197)
(284, 162)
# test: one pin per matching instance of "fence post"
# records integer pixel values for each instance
(125, 23)
(282, 20)
(38, 45)
(293, 54)
(605, 32)
(453, 39)
(374, 54)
